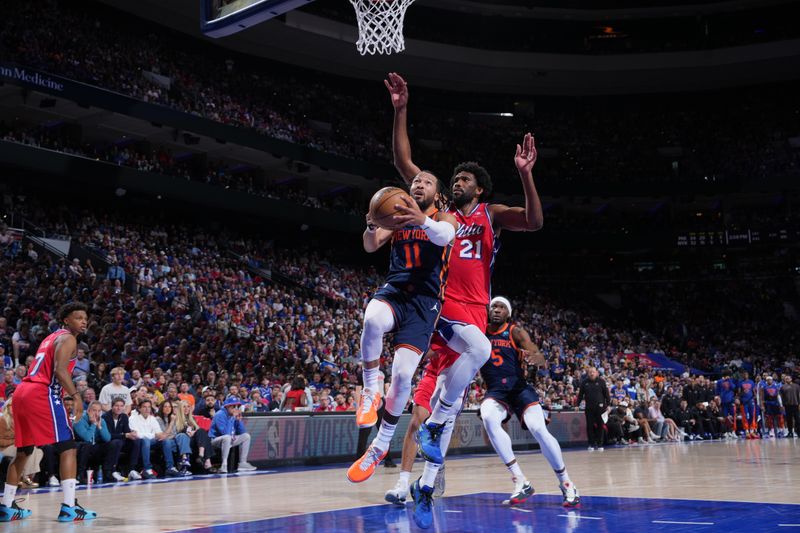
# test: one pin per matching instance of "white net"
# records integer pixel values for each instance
(380, 25)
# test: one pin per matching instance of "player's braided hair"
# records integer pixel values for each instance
(443, 201)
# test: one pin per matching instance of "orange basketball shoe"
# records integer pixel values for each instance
(364, 467)
(367, 412)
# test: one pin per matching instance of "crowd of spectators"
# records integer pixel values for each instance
(146, 157)
(610, 140)
(183, 318)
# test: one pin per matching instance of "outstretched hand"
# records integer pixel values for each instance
(526, 154)
(411, 215)
(398, 90)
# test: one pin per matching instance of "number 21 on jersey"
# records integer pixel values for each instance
(470, 250)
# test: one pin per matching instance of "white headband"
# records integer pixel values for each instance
(504, 301)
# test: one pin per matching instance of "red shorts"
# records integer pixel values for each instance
(39, 416)
(458, 312)
(425, 388)
(439, 362)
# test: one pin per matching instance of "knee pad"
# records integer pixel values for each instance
(64, 446)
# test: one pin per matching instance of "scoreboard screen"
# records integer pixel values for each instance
(225, 17)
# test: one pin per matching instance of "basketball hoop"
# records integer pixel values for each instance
(380, 25)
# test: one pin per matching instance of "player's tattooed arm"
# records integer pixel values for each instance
(531, 217)
(401, 145)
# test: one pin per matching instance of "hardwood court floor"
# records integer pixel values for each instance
(753, 471)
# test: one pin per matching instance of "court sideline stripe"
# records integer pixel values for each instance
(683, 523)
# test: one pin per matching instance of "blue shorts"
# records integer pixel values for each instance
(727, 410)
(772, 408)
(415, 316)
(516, 399)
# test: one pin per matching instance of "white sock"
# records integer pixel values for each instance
(440, 413)
(385, 434)
(493, 415)
(429, 474)
(9, 493)
(516, 472)
(371, 379)
(447, 434)
(68, 486)
(378, 320)
(562, 475)
(404, 477)
(534, 419)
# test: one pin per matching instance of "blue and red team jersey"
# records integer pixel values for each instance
(726, 390)
(504, 369)
(747, 391)
(771, 392)
(473, 258)
(44, 366)
(39, 414)
(416, 265)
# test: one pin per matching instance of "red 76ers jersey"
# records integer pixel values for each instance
(43, 368)
(472, 258)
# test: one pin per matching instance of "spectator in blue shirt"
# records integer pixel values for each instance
(116, 272)
(227, 431)
(96, 446)
(82, 367)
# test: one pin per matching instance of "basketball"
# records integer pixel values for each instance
(381, 207)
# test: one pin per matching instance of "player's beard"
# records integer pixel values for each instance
(464, 199)
(424, 204)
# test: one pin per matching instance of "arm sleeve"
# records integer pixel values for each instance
(439, 232)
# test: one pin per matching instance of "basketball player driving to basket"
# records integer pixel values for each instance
(408, 304)
(464, 318)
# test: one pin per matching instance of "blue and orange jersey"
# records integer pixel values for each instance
(43, 369)
(747, 390)
(504, 368)
(771, 392)
(416, 264)
(476, 246)
(726, 390)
